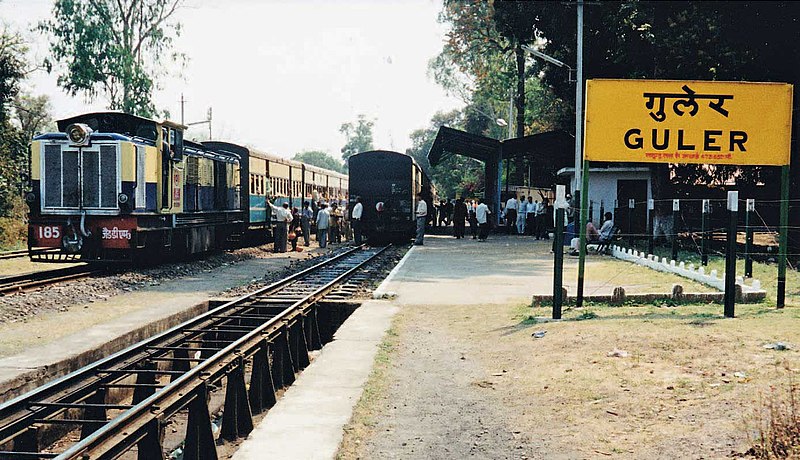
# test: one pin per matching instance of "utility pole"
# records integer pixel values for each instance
(207, 120)
(183, 102)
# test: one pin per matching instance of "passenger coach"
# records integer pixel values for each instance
(388, 184)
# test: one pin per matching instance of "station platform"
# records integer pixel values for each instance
(308, 421)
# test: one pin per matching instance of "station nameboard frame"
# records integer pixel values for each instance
(675, 121)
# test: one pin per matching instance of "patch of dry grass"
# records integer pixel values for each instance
(609, 272)
(683, 389)
(362, 423)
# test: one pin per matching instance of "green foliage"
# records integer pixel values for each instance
(13, 144)
(358, 137)
(13, 162)
(14, 228)
(586, 315)
(32, 114)
(750, 41)
(12, 68)
(115, 48)
(321, 159)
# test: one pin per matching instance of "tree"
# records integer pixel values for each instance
(320, 159)
(753, 41)
(516, 21)
(13, 144)
(358, 136)
(32, 114)
(113, 47)
(12, 68)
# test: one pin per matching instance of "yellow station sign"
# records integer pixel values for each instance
(665, 121)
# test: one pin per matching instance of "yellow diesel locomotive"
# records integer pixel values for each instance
(116, 187)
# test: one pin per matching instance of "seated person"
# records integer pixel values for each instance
(592, 236)
(607, 230)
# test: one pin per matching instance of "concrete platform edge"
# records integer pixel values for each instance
(308, 421)
(19, 380)
(380, 292)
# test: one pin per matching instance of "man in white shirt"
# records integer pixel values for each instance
(482, 215)
(522, 212)
(358, 209)
(530, 216)
(511, 214)
(607, 230)
(323, 222)
(422, 215)
(283, 216)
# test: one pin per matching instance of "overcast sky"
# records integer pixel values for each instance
(284, 75)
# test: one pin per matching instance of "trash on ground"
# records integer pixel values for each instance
(780, 346)
(617, 354)
(539, 334)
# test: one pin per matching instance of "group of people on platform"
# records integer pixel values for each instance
(526, 216)
(329, 218)
(458, 213)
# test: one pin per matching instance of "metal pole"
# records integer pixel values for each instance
(676, 209)
(783, 241)
(651, 205)
(558, 252)
(748, 240)
(582, 233)
(183, 101)
(579, 102)
(209, 123)
(631, 204)
(704, 232)
(730, 256)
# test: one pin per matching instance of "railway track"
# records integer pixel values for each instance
(26, 281)
(24, 253)
(13, 254)
(235, 357)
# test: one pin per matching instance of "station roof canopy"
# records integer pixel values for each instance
(451, 141)
(554, 146)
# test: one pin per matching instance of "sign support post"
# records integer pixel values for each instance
(704, 230)
(676, 210)
(783, 236)
(631, 205)
(558, 252)
(651, 206)
(748, 239)
(582, 233)
(730, 255)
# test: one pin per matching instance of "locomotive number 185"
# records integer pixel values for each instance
(47, 234)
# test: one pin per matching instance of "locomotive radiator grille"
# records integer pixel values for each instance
(88, 179)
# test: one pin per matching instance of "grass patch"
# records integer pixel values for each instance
(361, 424)
(586, 315)
(14, 227)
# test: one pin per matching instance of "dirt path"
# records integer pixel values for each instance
(439, 404)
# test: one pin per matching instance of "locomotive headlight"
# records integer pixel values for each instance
(122, 198)
(30, 197)
(78, 133)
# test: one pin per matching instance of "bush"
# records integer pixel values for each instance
(778, 424)
(14, 228)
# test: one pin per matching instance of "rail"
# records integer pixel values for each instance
(25, 281)
(268, 332)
